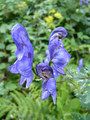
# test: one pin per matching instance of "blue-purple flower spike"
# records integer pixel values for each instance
(80, 65)
(49, 83)
(55, 41)
(59, 32)
(56, 53)
(24, 54)
(53, 65)
(84, 2)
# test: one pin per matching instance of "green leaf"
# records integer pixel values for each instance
(2, 90)
(11, 47)
(75, 104)
(3, 66)
(3, 54)
(2, 46)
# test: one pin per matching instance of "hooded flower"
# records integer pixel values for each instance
(56, 55)
(24, 54)
(80, 65)
(84, 2)
(49, 83)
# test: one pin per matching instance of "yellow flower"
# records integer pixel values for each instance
(52, 11)
(58, 15)
(49, 19)
(22, 5)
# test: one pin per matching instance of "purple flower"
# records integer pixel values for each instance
(24, 54)
(55, 40)
(84, 2)
(49, 83)
(56, 55)
(80, 65)
(59, 32)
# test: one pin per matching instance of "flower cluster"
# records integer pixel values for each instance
(24, 55)
(58, 15)
(53, 16)
(45, 72)
(53, 65)
(56, 53)
(84, 2)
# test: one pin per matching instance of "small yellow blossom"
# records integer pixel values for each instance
(49, 19)
(52, 11)
(58, 15)
(22, 5)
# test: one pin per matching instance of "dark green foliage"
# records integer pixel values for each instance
(18, 103)
(73, 90)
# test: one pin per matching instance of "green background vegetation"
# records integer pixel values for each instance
(40, 17)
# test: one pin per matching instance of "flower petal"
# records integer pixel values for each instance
(27, 79)
(22, 80)
(80, 65)
(44, 71)
(24, 54)
(61, 57)
(60, 31)
(49, 88)
(82, 2)
(54, 95)
(25, 68)
(53, 46)
(22, 41)
(19, 54)
(51, 85)
(47, 59)
(55, 40)
(45, 95)
(57, 71)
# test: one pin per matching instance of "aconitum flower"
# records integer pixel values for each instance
(80, 65)
(84, 2)
(56, 55)
(24, 54)
(53, 65)
(49, 83)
